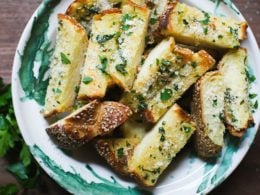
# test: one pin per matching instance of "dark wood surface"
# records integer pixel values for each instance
(14, 15)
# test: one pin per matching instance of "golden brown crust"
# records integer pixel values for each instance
(164, 20)
(208, 60)
(203, 144)
(77, 25)
(243, 27)
(131, 3)
(240, 132)
(185, 53)
(88, 122)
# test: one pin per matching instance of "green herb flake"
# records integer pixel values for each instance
(220, 36)
(56, 90)
(121, 68)
(251, 78)
(186, 129)
(86, 80)
(185, 22)
(161, 130)
(166, 94)
(120, 152)
(256, 105)
(215, 102)
(153, 21)
(194, 64)
(104, 38)
(206, 30)
(206, 19)
(64, 59)
(104, 61)
(252, 96)
(166, 62)
(162, 138)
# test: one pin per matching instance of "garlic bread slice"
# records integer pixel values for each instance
(194, 65)
(159, 146)
(238, 115)
(101, 53)
(116, 151)
(159, 58)
(208, 114)
(131, 43)
(88, 122)
(192, 26)
(68, 58)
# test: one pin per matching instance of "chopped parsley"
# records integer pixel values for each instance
(104, 61)
(104, 38)
(251, 78)
(64, 58)
(142, 105)
(153, 20)
(120, 152)
(206, 30)
(206, 19)
(256, 105)
(166, 94)
(86, 80)
(161, 130)
(56, 90)
(121, 68)
(185, 22)
(125, 18)
(215, 102)
(186, 129)
(194, 64)
(252, 96)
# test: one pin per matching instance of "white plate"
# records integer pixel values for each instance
(82, 171)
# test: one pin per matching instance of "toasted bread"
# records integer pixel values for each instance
(131, 44)
(116, 152)
(84, 10)
(193, 66)
(208, 113)
(101, 53)
(65, 66)
(192, 26)
(238, 115)
(149, 73)
(157, 149)
(88, 122)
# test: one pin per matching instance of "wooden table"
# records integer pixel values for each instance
(14, 15)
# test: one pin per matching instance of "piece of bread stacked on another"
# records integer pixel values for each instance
(166, 74)
(93, 119)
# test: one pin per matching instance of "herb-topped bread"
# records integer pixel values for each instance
(192, 26)
(86, 123)
(238, 115)
(68, 58)
(208, 113)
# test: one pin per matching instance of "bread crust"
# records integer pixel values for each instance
(204, 146)
(88, 122)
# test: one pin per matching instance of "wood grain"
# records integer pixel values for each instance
(14, 15)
